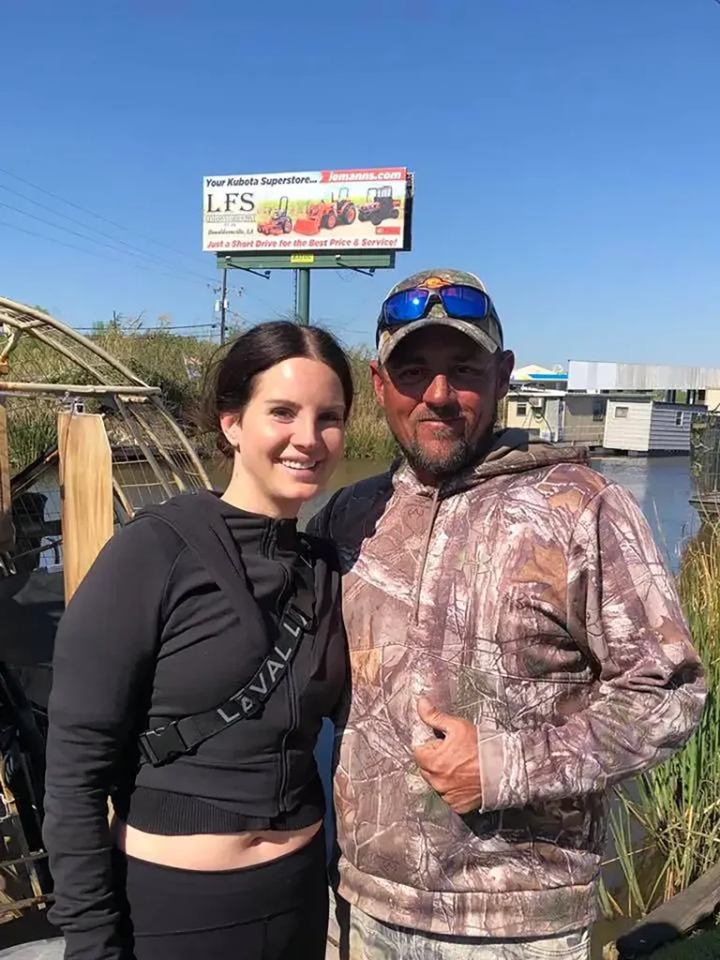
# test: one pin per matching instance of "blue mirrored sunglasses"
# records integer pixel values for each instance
(459, 302)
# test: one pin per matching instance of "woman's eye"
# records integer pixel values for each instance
(282, 413)
(330, 417)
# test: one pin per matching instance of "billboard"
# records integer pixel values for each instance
(326, 210)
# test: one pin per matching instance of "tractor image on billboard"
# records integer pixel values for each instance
(279, 221)
(328, 214)
(379, 206)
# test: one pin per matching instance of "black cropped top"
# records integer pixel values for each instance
(150, 636)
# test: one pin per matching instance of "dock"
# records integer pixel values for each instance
(707, 504)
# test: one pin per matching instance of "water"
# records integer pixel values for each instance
(663, 487)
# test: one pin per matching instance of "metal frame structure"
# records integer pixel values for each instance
(106, 380)
(46, 368)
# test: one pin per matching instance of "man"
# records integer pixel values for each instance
(517, 647)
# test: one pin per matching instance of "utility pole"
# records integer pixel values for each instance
(223, 306)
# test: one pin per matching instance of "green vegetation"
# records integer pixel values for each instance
(175, 363)
(368, 437)
(32, 430)
(674, 809)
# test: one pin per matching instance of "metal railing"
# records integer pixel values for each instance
(705, 454)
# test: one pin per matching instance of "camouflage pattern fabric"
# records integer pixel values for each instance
(450, 276)
(367, 939)
(528, 596)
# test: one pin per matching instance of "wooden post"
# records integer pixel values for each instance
(86, 493)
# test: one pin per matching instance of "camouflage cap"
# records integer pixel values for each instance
(487, 332)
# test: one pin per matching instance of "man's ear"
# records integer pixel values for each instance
(506, 367)
(378, 381)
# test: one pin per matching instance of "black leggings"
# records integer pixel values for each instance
(272, 911)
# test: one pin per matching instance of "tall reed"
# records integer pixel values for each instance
(667, 824)
(368, 437)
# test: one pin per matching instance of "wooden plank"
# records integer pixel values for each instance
(6, 525)
(86, 493)
(674, 918)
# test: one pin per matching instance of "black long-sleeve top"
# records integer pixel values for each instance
(150, 636)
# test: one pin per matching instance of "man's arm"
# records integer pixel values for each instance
(623, 608)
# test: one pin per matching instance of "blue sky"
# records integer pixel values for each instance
(568, 151)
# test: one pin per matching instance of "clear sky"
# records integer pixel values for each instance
(568, 151)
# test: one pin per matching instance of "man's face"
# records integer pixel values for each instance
(440, 392)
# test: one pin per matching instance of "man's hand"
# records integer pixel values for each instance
(451, 764)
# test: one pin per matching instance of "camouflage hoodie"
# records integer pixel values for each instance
(528, 596)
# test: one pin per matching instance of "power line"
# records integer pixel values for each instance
(90, 213)
(136, 251)
(96, 253)
(57, 226)
(112, 223)
(84, 236)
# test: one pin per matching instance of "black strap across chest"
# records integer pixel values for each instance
(220, 555)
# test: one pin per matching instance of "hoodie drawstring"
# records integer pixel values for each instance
(426, 547)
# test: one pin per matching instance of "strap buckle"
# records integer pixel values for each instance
(297, 618)
(163, 745)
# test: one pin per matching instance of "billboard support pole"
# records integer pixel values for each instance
(223, 306)
(303, 296)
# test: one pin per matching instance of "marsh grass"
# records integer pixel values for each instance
(666, 825)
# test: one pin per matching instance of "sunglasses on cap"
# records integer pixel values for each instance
(459, 302)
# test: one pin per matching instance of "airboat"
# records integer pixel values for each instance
(84, 444)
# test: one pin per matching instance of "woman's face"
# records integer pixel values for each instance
(289, 438)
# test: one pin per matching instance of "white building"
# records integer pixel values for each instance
(643, 425)
(700, 384)
(655, 405)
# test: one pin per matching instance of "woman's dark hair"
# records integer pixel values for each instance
(231, 378)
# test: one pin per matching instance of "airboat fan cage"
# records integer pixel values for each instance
(50, 374)
(47, 367)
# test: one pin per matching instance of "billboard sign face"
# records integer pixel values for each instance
(295, 213)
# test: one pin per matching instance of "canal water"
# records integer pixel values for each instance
(663, 487)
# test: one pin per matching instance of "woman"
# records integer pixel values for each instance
(192, 671)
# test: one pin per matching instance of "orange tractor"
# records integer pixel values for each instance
(328, 214)
(279, 222)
